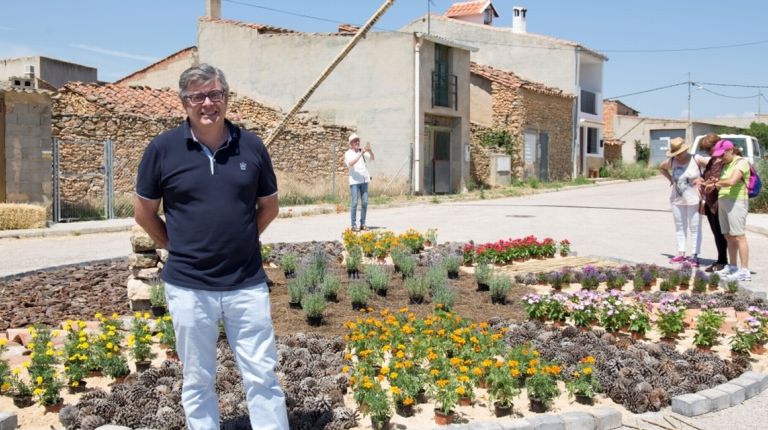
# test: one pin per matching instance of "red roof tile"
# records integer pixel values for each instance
(137, 100)
(469, 8)
(512, 80)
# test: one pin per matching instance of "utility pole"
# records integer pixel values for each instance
(759, 96)
(429, 12)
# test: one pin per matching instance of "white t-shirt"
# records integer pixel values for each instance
(684, 192)
(358, 172)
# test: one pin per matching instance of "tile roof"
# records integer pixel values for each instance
(138, 100)
(512, 80)
(469, 8)
(261, 28)
(186, 52)
(348, 28)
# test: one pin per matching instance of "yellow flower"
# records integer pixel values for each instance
(345, 369)
(49, 352)
(39, 380)
(98, 315)
(3, 342)
(395, 391)
(115, 316)
(146, 315)
(75, 383)
(368, 384)
(460, 390)
(16, 371)
(408, 401)
(5, 387)
(26, 364)
(587, 370)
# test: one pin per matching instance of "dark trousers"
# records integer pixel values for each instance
(720, 242)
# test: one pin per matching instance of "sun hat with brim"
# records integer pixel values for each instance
(721, 146)
(353, 137)
(677, 146)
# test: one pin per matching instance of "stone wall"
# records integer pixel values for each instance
(612, 153)
(306, 150)
(516, 109)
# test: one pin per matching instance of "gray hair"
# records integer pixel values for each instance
(202, 73)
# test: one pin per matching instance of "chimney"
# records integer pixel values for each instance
(213, 9)
(518, 19)
(29, 71)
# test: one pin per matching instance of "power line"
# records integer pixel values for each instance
(651, 90)
(703, 48)
(733, 85)
(727, 96)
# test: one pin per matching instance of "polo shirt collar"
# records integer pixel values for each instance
(234, 131)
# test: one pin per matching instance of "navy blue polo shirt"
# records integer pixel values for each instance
(209, 206)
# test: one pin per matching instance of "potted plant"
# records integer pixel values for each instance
(732, 287)
(5, 369)
(452, 263)
(483, 275)
(42, 368)
(700, 282)
(583, 384)
(614, 314)
(747, 336)
(405, 383)
(670, 316)
(502, 385)
(565, 247)
(535, 306)
(331, 285)
(19, 389)
(107, 341)
(140, 341)
(377, 277)
(557, 308)
(430, 237)
(417, 289)
(288, 262)
(297, 288)
(353, 261)
(541, 385)
(614, 279)
(115, 366)
(407, 266)
(499, 288)
(77, 354)
(443, 297)
(639, 318)
(556, 279)
(589, 277)
(685, 272)
(167, 336)
(266, 253)
(374, 401)
(583, 307)
(714, 281)
(413, 240)
(358, 293)
(313, 305)
(157, 298)
(708, 324)
(445, 394)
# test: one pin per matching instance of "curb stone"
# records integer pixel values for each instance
(736, 391)
(598, 418)
(8, 421)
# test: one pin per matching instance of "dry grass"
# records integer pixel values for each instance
(294, 192)
(21, 216)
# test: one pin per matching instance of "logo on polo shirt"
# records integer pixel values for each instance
(243, 165)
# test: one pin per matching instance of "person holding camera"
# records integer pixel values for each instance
(359, 177)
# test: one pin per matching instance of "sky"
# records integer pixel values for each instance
(721, 45)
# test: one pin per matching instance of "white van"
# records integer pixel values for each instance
(749, 146)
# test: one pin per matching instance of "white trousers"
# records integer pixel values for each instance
(248, 324)
(687, 225)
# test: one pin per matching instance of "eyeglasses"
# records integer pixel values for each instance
(197, 98)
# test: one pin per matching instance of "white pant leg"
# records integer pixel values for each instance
(248, 323)
(694, 223)
(681, 225)
(196, 316)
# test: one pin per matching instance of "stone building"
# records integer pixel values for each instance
(85, 115)
(25, 144)
(615, 147)
(536, 116)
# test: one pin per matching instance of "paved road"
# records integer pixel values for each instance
(628, 221)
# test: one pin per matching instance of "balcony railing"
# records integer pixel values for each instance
(445, 90)
(588, 102)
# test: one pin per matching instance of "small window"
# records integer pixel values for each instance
(488, 16)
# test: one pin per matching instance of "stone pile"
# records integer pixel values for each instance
(145, 263)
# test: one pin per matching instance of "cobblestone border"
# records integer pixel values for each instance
(599, 418)
(723, 396)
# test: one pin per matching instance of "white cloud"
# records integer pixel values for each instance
(114, 53)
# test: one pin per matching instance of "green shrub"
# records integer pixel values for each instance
(377, 277)
(435, 277)
(15, 216)
(358, 292)
(642, 152)
(331, 286)
(157, 293)
(483, 273)
(289, 262)
(313, 305)
(297, 289)
(500, 286)
(354, 258)
(452, 263)
(407, 266)
(631, 172)
(416, 287)
(759, 204)
(444, 297)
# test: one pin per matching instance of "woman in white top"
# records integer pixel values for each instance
(683, 171)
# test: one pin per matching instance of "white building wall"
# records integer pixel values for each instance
(526, 55)
(165, 75)
(371, 90)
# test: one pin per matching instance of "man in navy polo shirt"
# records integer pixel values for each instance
(219, 193)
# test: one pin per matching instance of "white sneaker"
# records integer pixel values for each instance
(741, 275)
(728, 270)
